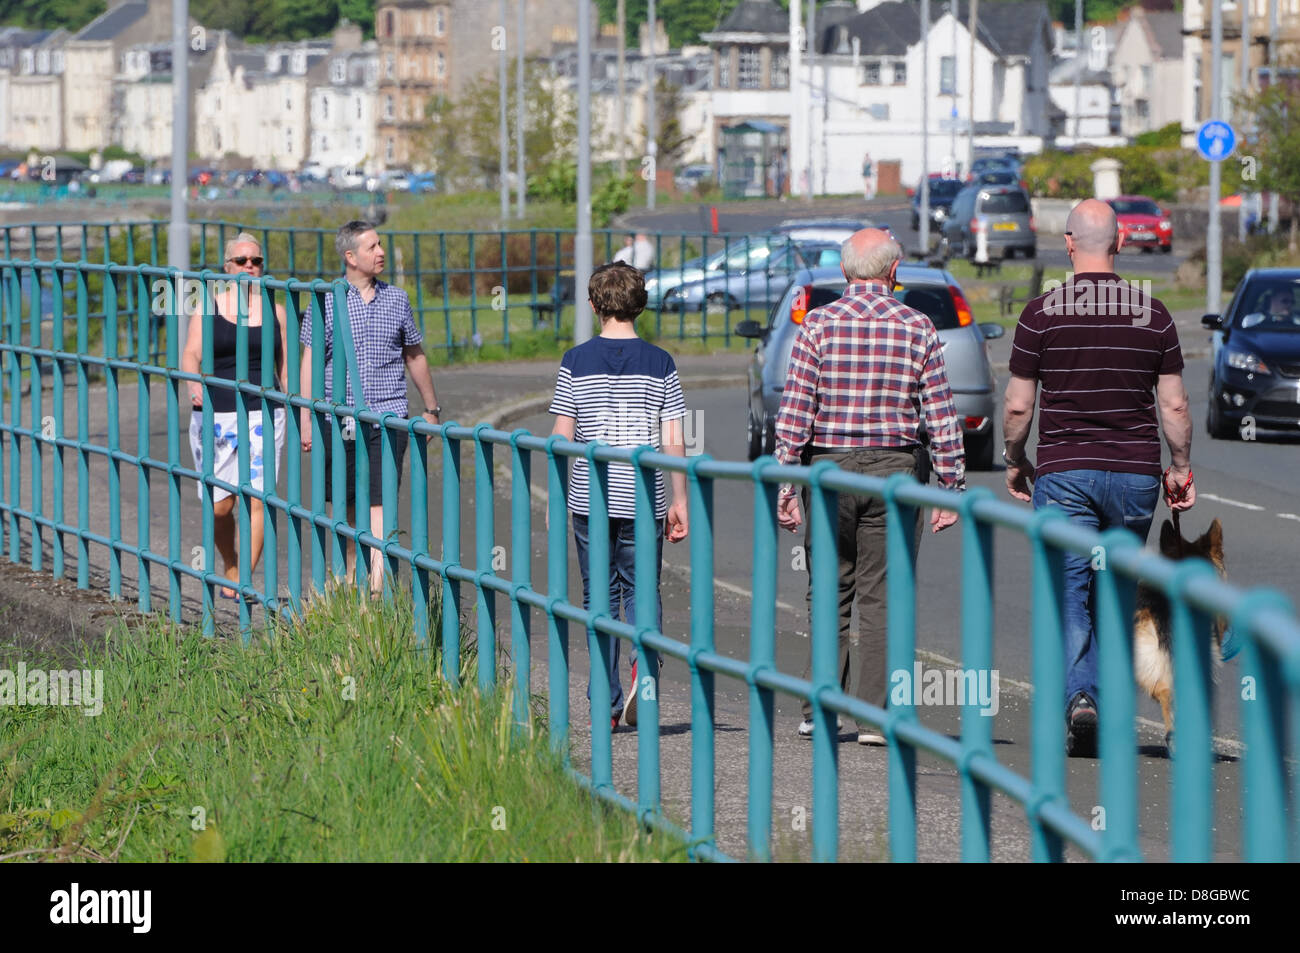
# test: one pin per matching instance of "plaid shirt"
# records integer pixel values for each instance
(380, 329)
(864, 371)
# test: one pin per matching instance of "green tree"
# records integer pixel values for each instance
(1275, 112)
(671, 139)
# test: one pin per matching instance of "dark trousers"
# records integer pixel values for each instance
(622, 587)
(860, 542)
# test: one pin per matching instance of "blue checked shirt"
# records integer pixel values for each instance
(380, 330)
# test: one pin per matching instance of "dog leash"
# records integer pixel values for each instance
(1176, 494)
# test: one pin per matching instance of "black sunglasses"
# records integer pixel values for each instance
(256, 260)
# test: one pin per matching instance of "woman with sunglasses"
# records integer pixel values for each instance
(235, 301)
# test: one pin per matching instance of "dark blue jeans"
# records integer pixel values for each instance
(622, 587)
(1102, 500)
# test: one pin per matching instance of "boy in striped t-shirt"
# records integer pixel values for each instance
(622, 391)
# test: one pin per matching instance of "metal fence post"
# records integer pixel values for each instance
(700, 498)
(762, 657)
(900, 521)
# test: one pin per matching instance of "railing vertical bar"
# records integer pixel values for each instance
(521, 575)
(111, 406)
(762, 656)
(599, 644)
(1047, 579)
(37, 458)
(1191, 778)
(450, 556)
(823, 507)
(557, 590)
(648, 543)
(977, 671)
(143, 418)
(59, 345)
(1263, 728)
(83, 431)
(900, 522)
(700, 497)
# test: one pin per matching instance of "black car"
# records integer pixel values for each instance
(1255, 359)
(942, 192)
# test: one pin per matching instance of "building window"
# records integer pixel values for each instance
(871, 73)
(749, 73)
(440, 21)
(389, 108)
(900, 72)
(439, 65)
(324, 107)
(358, 107)
(780, 70)
(388, 23)
(390, 66)
(948, 76)
(288, 103)
(288, 139)
(339, 71)
(325, 143)
(724, 68)
(358, 143)
(390, 150)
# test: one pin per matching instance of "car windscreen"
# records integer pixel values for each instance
(944, 188)
(935, 303)
(1005, 203)
(1272, 305)
(1135, 207)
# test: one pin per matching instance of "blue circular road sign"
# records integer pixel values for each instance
(1215, 140)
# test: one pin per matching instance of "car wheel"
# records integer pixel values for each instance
(1008, 254)
(1031, 251)
(1147, 249)
(979, 451)
(753, 436)
(1166, 249)
(769, 435)
(719, 302)
(916, 223)
(1215, 424)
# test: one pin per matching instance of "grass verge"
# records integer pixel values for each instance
(332, 740)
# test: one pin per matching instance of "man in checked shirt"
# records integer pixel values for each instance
(865, 373)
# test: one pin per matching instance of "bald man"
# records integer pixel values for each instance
(865, 372)
(1105, 355)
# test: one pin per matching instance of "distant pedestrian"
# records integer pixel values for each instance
(866, 373)
(1105, 357)
(623, 391)
(386, 338)
(868, 178)
(637, 251)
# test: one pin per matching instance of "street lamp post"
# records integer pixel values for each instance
(582, 250)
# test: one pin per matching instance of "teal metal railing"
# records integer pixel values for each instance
(474, 289)
(1262, 618)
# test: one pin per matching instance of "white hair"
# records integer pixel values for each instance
(241, 239)
(864, 266)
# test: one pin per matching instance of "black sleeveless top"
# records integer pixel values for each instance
(223, 361)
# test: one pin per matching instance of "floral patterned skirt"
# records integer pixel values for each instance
(225, 448)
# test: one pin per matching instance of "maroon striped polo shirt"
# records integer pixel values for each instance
(1096, 347)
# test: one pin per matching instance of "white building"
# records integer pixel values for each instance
(862, 91)
(36, 95)
(1147, 71)
(342, 88)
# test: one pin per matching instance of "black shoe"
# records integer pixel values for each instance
(1081, 727)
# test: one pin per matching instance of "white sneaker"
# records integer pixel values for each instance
(870, 736)
(806, 727)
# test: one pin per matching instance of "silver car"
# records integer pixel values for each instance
(1001, 212)
(932, 291)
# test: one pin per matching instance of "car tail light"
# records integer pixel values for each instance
(1033, 226)
(1024, 185)
(964, 315)
(799, 307)
(976, 423)
(974, 224)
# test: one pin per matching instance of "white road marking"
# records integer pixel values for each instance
(1224, 499)
(1288, 516)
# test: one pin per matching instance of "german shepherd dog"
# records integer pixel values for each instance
(1152, 629)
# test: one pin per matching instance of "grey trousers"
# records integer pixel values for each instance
(860, 541)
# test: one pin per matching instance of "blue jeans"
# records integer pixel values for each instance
(622, 587)
(1103, 500)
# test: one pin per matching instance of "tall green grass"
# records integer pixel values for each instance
(333, 739)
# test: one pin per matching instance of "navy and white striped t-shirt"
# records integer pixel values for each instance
(619, 390)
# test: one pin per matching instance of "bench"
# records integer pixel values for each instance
(984, 268)
(553, 305)
(1008, 297)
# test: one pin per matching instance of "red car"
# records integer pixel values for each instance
(1143, 223)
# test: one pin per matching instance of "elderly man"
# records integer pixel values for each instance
(866, 373)
(1099, 349)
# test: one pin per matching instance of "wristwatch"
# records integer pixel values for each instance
(436, 411)
(1008, 461)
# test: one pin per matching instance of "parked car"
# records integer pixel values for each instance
(689, 178)
(757, 280)
(820, 230)
(930, 290)
(422, 182)
(343, 178)
(1143, 223)
(1255, 355)
(390, 180)
(134, 175)
(942, 192)
(985, 164)
(1001, 211)
(733, 256)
